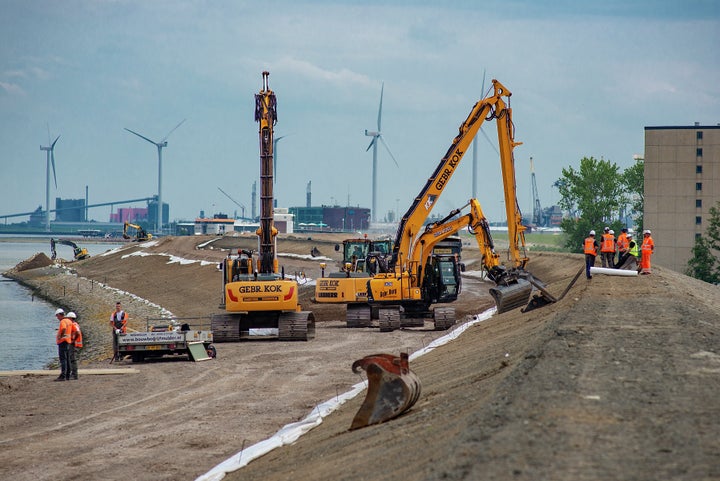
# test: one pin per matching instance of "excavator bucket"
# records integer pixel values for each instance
(392, 388)
(511, 296)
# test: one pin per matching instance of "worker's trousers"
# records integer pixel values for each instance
(64, 356)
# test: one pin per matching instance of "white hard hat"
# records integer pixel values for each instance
(71, 315)
(607, 229)
(60, 311)
(592, 232)
(647, 231)
(629, 236)
(612, 231)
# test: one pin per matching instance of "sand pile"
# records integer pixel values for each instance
(34, 262)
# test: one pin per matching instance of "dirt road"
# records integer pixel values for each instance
(619, 380)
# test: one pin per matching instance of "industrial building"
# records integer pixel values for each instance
(682, 183)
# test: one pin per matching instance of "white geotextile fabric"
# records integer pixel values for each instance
(290, 433)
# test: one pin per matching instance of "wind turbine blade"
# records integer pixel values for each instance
(52, 159)
(48, 129)
(142, 137)
(482, 90)
(388, 149)
(371, 143)
(173, 130)
(53, 144)
(380, 109)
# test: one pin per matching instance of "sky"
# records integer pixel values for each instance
(586, 78)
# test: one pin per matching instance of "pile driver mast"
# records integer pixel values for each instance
(266, 116)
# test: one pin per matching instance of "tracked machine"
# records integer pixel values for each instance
(140, 234)
(404, 291)
(79, 253)
(255, 295)
(362, 259)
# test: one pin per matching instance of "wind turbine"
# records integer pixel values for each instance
(474, 163)
(50, 158)
(373, 143)
(159, 145)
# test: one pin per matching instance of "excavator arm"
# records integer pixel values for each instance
(411, 223)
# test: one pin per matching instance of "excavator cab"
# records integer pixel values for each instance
(442, 272)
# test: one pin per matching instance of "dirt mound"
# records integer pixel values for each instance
(34, 262)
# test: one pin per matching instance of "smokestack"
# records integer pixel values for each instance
(308, 195)
(86, 203)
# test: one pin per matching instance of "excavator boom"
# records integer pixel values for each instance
(411, 223)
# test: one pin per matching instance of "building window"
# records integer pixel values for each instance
(698, 185)
(698, 169)
(698, 220)
(699, 135)
(698, 203)
(698, 235)
(698, 153)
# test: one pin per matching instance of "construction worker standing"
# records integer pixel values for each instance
(63, 338)
(646, 250)
(622, 243)
(607, 248)
(76, 344)
(118, 322)
(590, 248)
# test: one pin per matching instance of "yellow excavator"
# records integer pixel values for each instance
(140, 234)
(256, 296)
(403, 292)
(362, 258)
(78, 252)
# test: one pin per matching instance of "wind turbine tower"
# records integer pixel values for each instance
(50, 158)
(377, 135)
(159, 145)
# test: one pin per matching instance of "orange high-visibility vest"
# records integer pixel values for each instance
(608, 243)
(64, 332)
(77, 335)
(648, 244)
(622, 242)
(590, 246)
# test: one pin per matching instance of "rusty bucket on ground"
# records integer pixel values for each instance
(392, 388)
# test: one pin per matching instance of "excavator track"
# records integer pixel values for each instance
(358, 315)
(225, 328)
(296, 326)
(389, 318)
(444, 318)
(392, 388)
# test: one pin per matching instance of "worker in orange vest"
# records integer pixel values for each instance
(75, 345)
(590, 247)
(63, 338)
(607, 248)
(622, 243)
(646, 250)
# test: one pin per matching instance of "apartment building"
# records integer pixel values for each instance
(682, 183)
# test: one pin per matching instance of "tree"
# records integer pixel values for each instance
(593, 195)
(704, 264)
